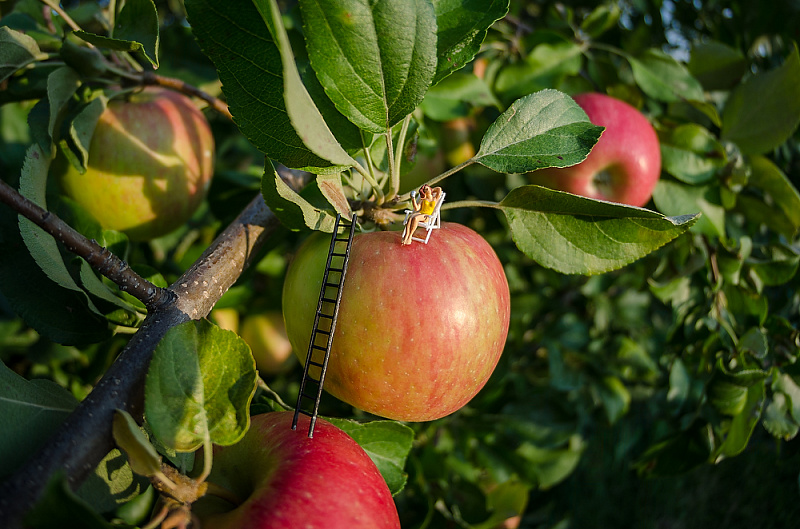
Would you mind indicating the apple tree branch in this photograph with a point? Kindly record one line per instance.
(85, 437)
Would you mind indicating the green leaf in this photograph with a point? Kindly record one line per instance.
(61, 86)
(60, 507)
(128, 436)
(59, 314)
(507, 500)
(376, 60)
(136, 31)
(387, 443)
(692, 154)
(764, 111)
(600, 20)
(674, 198)
(662, 77)
(294, 211)
(678, 453)
(548, 466)
(742, 426)
(544, 67)
(716, 65)
(249, 64)
(16, 51)
(778, 420)
(31, 412)
(455, 96)
(577, 235)
(614, 396)
(544, 129)
(461, 27)
(112, 483)
(768, 177)
(80, 132)
(303, 113)
(199, 386)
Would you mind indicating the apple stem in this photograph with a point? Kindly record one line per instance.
(208, 459)
(158, 518)
(150, 78)
(98, 257)
(470, 204)
(398, 157)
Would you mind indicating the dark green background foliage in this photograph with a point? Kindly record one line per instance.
(660, 394)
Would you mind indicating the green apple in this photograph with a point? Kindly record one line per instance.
(420, 327)
(285, 480)
(266, 335)
(151, 159)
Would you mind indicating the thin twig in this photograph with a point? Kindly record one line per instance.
(149, 78)
(98, 257)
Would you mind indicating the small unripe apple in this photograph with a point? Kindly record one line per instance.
(285, 480)
(266, 335)
(624, 165)
(150, 162)
(420, 328)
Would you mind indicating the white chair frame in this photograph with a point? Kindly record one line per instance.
(433, 223)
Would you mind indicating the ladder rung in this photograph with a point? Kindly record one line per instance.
(311, 397)
(339, 239)
(332, 269)
(329, 284)
(313, 363)
(328, 300)
(322, 315)
(304, 412)
(323, 331)
(315, 346)
(338, 254)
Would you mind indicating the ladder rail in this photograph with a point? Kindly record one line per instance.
(328, 333)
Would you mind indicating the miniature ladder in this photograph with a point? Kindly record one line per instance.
(319, 347)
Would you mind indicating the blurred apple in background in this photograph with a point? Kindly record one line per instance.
(623, 167)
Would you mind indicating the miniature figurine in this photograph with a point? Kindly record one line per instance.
(425, 213)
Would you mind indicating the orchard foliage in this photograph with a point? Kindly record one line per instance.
(673, 328)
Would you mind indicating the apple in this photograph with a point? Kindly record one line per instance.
(266, 335)
(624, 165)
(420, 328)
(286, 480)
(151, 158)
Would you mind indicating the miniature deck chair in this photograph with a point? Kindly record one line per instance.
(433, 223)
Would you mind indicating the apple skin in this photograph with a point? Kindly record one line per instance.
(420, 327)
(624, 165)
(266, 335)
(287, 480)
(150, 163)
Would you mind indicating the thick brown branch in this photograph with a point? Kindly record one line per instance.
(85, 437)
(98, 257)
(184, 87)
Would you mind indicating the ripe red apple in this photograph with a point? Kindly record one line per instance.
(286, 480)
(151, 159)
(624, 165)
(265, 333)
(420, 328)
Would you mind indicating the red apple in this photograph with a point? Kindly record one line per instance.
(420, 328)
(624, 165)
(265, 333)
(286, 480)
(150, 162)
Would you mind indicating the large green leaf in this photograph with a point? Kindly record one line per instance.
(716, 65)
(764, 111)
(386, 442)
(16, 50)
(136, 30)
(60, 507)
(249, 64)
(577, 235)
(662, 77)
(767, 177)
(376, 59)
(292, 209)
(461, 27)
(31, 410)
(199, 386)
(303, 113)
(544, 129)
